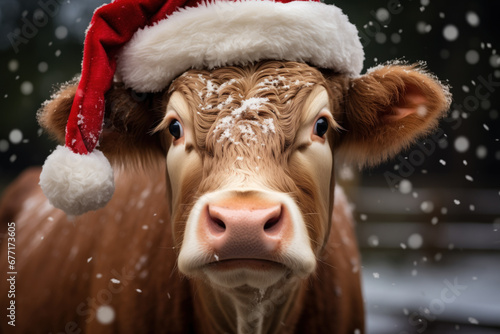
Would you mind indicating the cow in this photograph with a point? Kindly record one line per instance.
(226, 216)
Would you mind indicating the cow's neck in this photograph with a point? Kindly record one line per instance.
(248, 310)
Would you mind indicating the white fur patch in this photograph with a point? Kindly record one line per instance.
(77, 183)
(238, 33)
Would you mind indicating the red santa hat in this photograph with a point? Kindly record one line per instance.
(147, 43)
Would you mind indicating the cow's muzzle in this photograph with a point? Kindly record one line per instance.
(246, 237)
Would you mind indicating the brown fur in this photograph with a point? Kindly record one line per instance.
(373, 137)
(134, 235)
(57, 285)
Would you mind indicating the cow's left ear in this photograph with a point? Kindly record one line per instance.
(387, 109)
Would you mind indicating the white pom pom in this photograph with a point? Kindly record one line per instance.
(77, 183)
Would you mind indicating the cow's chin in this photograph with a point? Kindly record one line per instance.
(241, 273)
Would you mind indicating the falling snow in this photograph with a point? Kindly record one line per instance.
(481, 152)
(43, 67)
(415, 241)
(427, 206)
(373, 241)
(61, 32)
(4, 145)
(422, 111)
(472, 19)
(461, 144)
(15, 136)
(450, 32)
(472, 57)
(495, 60)
(13, 65)
(26, 88)
(105, 314)
(423, 27)
(382, 14)
(405, 186)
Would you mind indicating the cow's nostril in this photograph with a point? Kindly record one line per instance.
(219, 223)
(215, 221)
(271, 223)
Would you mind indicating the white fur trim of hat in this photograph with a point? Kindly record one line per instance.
(237, 33)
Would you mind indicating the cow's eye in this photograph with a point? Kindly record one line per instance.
(321, 127)
(175, 129)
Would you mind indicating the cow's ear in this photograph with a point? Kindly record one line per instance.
(54, 113)
(387, 109)
(127, 137)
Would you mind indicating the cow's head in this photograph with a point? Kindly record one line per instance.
(250, 154)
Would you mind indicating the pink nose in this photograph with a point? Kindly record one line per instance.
(244, 232)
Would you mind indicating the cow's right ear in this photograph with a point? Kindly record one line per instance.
(127, 137)
(388, 109)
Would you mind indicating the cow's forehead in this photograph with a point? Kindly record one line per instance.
(245, 105)
(243, 89)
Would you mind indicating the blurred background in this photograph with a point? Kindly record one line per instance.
(428, 221)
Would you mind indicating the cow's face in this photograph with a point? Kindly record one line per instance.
(250, 159)
(250, 168)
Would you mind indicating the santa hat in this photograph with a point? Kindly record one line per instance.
(147, 43)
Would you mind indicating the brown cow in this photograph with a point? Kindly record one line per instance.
(242, 230)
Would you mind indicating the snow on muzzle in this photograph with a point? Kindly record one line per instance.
(246, 237)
